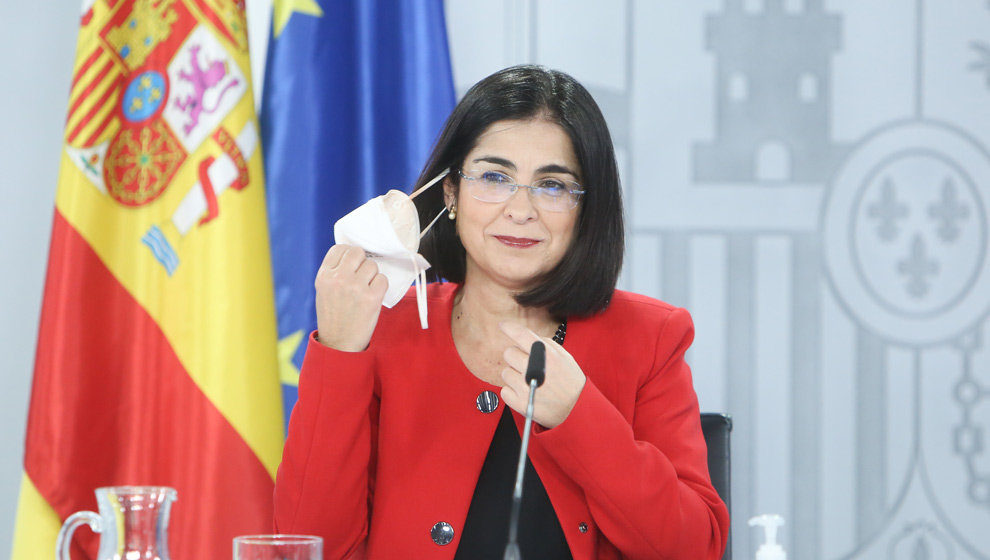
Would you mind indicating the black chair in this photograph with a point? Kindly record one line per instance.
(716, 428)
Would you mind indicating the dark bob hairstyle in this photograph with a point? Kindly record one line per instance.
(583, 282)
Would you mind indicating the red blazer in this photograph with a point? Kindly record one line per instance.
(386, 443)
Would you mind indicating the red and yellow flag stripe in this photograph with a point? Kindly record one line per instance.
(156, 359)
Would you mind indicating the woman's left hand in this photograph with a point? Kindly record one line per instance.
(559, 392)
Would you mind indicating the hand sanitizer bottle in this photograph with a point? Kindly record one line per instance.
(769, 550)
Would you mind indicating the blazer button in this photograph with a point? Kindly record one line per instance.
(583, 527)
(487, 402)
(442, 533)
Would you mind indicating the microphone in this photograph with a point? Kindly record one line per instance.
(536, 374)
(536, 369)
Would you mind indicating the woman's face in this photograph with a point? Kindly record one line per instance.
(513, 242)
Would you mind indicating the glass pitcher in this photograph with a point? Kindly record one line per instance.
(132, 523)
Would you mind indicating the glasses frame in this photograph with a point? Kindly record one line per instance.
(575, 194)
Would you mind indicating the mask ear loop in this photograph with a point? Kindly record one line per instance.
(420, 294)
(421, 276)
(432, 222)
(420, 280)
(432, 182)
(420, 190)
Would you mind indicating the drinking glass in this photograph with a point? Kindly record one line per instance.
(278, 547)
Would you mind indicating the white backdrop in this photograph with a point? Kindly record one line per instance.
(36, 54)
(809, 178)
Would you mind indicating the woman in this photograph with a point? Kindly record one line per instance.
(404, 441)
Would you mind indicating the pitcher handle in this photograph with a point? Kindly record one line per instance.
(64, 541)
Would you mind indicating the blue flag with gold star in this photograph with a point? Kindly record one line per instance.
(355, 94)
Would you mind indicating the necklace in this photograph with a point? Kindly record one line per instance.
(558, 336)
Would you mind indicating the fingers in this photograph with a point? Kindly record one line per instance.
(520, 335)
(517, 355)
(514, 380)
(367, 270)
(351, 258)
(515, 392)
(379, 285)
(516, 358)
(333, 256)
(349, 294)
(564, 379)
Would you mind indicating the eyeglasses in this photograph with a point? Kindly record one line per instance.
(549, 193)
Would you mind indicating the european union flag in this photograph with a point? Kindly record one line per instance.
(355, 94)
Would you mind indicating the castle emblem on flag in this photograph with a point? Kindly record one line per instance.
(147, 24)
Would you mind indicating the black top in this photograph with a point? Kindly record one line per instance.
(486, 529)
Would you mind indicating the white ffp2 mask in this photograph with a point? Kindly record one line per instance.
(387, 228)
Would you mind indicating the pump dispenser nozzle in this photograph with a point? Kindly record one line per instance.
(769, 550)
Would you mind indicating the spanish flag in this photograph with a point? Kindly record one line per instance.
(157, 354)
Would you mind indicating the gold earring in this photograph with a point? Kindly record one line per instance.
(452, 213)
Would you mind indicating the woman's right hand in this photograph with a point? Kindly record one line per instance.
(349, 294)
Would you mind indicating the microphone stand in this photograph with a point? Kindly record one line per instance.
(535, 375)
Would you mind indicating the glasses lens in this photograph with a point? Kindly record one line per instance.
(489, 186)
(550, 194)
(555, 195)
